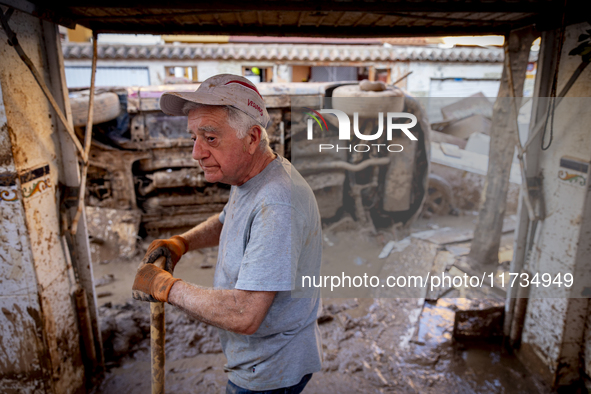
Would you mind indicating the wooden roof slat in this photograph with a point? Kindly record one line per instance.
(359, 20)
(374, 23)
(322, 18)
(334, 18)
(301, 18)
(218, 20)
(77, 6)
(239, 19)
(338, 22)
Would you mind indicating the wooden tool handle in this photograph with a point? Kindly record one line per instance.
(157, 336)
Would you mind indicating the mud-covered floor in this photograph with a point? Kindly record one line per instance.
(373, 345)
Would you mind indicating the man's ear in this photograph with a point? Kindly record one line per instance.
(254, 139)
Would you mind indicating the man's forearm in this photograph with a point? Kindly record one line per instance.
(204, 235)
(234, 310)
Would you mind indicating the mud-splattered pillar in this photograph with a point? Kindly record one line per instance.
(556, 338)
(39, 325)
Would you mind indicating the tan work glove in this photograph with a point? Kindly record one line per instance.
(152, 284)
(172, 248)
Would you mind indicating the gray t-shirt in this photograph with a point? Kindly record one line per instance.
(271, 236)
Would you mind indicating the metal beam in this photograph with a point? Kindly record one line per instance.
(51, 14)
(70, 176)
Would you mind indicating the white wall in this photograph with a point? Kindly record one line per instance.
(210, 68)
(156, 71)
(554, 326)
(419, 82)
(79, 77)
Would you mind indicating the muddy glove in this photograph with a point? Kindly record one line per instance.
(172, 248)
(152, 284)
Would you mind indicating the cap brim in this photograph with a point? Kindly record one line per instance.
(172, 103)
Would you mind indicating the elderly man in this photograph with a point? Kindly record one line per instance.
(268, 233)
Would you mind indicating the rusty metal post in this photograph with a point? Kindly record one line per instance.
(89, 354)
(157, 337)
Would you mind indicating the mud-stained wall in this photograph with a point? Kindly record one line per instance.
(21, 331)
(38, 326)
(583, 253)
(554, 327)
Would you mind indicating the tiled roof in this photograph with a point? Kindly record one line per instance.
(279, 52)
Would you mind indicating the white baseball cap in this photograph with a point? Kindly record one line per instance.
(222, 89)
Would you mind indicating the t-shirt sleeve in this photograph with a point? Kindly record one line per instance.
(223, 214)
(273, 249)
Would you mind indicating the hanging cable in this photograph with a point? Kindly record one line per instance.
(552, 103)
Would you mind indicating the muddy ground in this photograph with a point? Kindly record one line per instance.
(370, 345)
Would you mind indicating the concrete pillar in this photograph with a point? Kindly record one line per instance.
(24, 363)
(39, 325)
(554, 335)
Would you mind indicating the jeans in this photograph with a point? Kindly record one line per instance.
(231, 388)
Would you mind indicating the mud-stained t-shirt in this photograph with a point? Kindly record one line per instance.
(271, 235)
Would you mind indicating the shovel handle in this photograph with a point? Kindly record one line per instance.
(157, 336)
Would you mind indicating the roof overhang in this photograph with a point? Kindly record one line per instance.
(308, 18)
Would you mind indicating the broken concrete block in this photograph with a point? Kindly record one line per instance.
(451, 150)
(112, 232)
(104, 280)
(437, 136)
(478, 143)
(479, 324)
(475, 104)
(466, 127)
(397, 246)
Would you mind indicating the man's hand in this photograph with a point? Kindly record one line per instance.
(172, 248)
(152, 284)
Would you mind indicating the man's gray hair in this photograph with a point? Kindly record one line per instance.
(237, 120)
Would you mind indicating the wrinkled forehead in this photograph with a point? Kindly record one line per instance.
(207, 119)
(216, 111)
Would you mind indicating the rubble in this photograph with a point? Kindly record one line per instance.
(112, 232)
(104, 280)
(448, 235)
(476, 104)
(125, 329)
(479, 324)
(103, 294)
(464, 128)
(397, 246)
(370, 345)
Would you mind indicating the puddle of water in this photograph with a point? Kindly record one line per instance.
(476, 368)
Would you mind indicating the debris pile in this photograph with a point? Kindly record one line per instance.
(125, 329)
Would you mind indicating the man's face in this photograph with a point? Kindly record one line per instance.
(223, 157)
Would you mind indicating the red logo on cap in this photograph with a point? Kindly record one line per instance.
(245, 85)
(255, 106)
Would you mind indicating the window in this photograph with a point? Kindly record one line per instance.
(258, 74)
(333, 74)
(181, 74)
